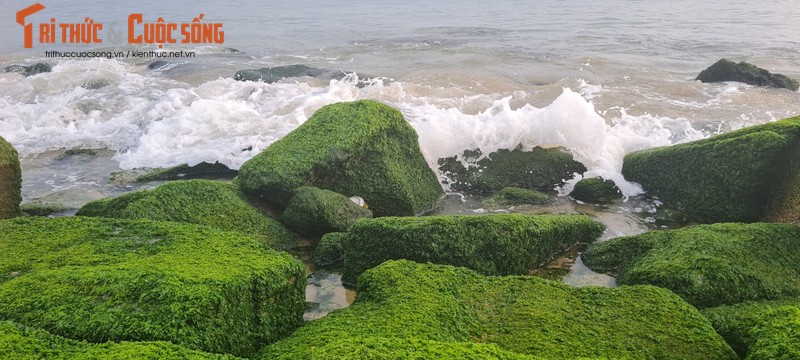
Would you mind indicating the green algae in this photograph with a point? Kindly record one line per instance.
(315, 212)
(204, 202)
(10, 180)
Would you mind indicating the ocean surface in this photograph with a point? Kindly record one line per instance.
(600, 78)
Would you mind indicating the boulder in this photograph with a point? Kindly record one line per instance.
(777, 336)
(361, 148)
(202, 170)
(736, 322)
(502, 244)
(708, 265)
(329, 251)
(10, 181)
(726, 70)
(104, 280)
(725, 178)
(272, 74)
(315, 212)
(204, 202)
(538, 169)
(595, 191)
(22, 342)
(513, 195)
(436, 311)
(29, 70)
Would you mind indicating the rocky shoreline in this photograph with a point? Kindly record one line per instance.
(196, 268)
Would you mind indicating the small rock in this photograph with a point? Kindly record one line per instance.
(29, 70)
(726, 70)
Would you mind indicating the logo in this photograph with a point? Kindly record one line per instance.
(139, 31)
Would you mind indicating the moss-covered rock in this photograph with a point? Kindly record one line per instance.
(329, 250)
(777, 336)
(736, 322)
(726, 70)
(29, 70)
(503, 244)
(40, 209)
(596, 191)
(539, 169)
(22, 343)
(315, 212)
(104, 280)
(202, 170)
(522, 196)
(783, 204)
(10, 180)
(409, 308)
(361, 148)
(723, 178)
(708, 265)
(204, 202)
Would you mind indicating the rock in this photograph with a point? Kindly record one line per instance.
(329, 251)
(539, 169)
(272, 74)
(362, 148)
(708, 265)
(159, 64)
(202, 170)
(736, 322)
(783, 201)
(29, 70)
(777, 336)
(10, 180)
(102, 280)
(22, 342)
(725, 178)
(215, 204)
(410, 310)
(315, 212)
(42, 209)
(512, 195)
(726, 70)
(666, 215)
(596, 191)
(502, 244)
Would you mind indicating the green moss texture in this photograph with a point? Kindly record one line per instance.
(503, 244)
(708, 265)
(10, 181)
(202, 170)
(203, 202)
(596, 191)
(515, 195)
(538, 169)
(361, 148)
(724, 178)
(102, 280)
(19, 342)
(426, 310)
(777, 336)
(315, 212)
(329, 250)
(735, 323)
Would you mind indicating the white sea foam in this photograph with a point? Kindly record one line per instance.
(152, 121)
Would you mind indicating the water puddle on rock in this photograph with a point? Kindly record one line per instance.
(325, 291)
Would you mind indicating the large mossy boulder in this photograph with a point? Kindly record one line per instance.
(708, 265)
(22, 342)
(104, 280)
(538, 169)
(315, 212)
(503, 244)
(361, 148)
(736, 323)
(10, 180)
(596, 191)
(777, 336)
(434, 311)
(204, 202)
(726, 70)
(725, 178)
